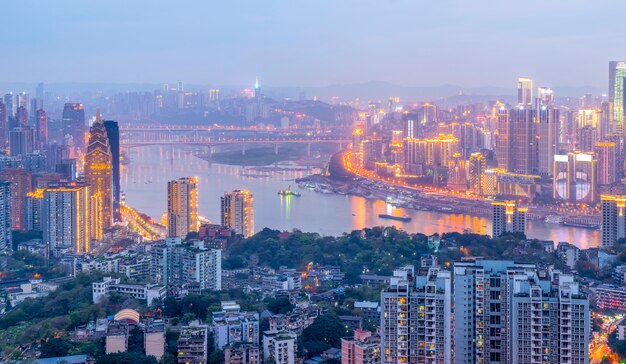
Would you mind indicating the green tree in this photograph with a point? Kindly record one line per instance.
(55, 347)
(129, 357)
(325, 332)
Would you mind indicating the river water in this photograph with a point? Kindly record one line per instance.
(144, 181)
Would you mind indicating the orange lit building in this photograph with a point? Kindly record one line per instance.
(182, 207)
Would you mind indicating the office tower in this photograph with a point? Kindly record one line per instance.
(427, 114)
(508, 217)
(175, 262)
(113, 134)
(238, 212)
(433, 152)
(503, 140)
(182, 207)
(154, 339)
(545, 97)
(34, 206)
(22, 116)
(575, 177)
(476, 169)
(192, 344)
(35, 162)
(357, 138)
(605, 125)
(586, 138)
(516, 313)
(67, 169)
(39, 94)
(279, 347)
(607, 163)
(547, 144)
(98, 174)
(457, 173)
(21, 183)
(235, 327)
(6, 219)
(367, 153)
(65, 217)
(613, 219)
(363, 348)
(22, 100)
(9, 102)
(617, 73)
(4, 126)
(522, 141)
(524, 91)
(21, 141)
(74, 124)
(411, 126)
(416, 317)
(214, 94)
(42, 129)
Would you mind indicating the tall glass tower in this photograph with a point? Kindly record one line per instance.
(617, 73)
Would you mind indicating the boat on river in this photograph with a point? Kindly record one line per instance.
(404, 218)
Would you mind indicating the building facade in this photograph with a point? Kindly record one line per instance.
(237, 211)
(182, 207)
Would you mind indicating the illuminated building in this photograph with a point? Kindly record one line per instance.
(586, 138)
(613, 219)
(65, 217)
(617, 73)
(182, 207)
(73, 124)
(214, 94)
(21, 183)
(4, 125)
(503, 140)
(508, 217)
(545, 97)
(548, 139)
(476, 169)
(6, 219)
(524, 91)
(192, 344)
(21, 141)
(457, 173)
(434, 152)
(237, 209)
(98, 174)
(607, 163)
(357, 137)
(506, 312)
(575, 177)
(411, 126)
(113, 134)
(34, 208)
(416, 317)
(522, 141)
(42, 129)
(427, 114)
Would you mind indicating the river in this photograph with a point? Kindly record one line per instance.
(144, 181)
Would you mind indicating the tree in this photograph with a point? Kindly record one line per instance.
(167, 358)
(54, 347)
(216, 357)
(325, 332)
(280, 305)
(129, 357)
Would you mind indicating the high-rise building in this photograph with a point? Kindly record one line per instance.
(113, 134)
(238, 212)
(6, 219)
(545, 97)
(42, 129)
(607, 163)
(21, 183)
(613, 219)
(363, 348)
(279, 347)
(523, 144)
(617, 73)
(508, 217)
(74, 124)
(9, 102)
(416, 317)
(21, 141)
(182, 207)
(98, 174)
(586, 138)
(428, 153)
(235, 327)
(40, 95)
(476, 169)
(503, 141)
(548, 134)
(457, 173)
(22, 116)
(4, 126)
(192, 344)
(575, 177)
(65, 217)
(524, 91)
(516, 313)
(34, 208)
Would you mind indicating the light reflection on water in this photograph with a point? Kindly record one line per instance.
(144, 182)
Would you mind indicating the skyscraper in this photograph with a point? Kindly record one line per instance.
(98, 174)
(21, 183)
(613, 219)
(524, 91)
(182, 207)
(575, 177)
(9, 102)
(476, 169)
(22, 116)
(40, 95)
(617, 73)
(65, 217)
(21, 141)
(113, 134)
(522, 141)
(508, 217)
(607, 163)
(74, 123)
(42, 129)
(4, 126)
(238, 212)
(503, 141)
(5, 217)
(518, 313)
(548, 139)
(416, 317)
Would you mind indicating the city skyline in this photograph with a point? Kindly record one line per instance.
(316, 44)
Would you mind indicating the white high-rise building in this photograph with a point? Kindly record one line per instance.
(65, 217)
(182, 207)
(416, 317)
(5, 216)
(508, 217)
(524, 91)
(279, 347)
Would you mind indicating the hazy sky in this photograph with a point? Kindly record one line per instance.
(312, 43)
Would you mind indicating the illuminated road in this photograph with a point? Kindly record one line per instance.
(598, 347)
(138, 223)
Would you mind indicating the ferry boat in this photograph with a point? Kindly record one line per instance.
(554, 219)
(289, 192)
(404, 218)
